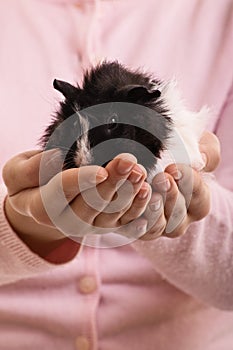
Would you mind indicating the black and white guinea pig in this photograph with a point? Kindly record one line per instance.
(100, 111)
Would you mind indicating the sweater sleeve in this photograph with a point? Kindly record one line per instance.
(17, 261)
(200, 262)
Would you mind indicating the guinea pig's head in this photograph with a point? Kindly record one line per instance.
(116, 110)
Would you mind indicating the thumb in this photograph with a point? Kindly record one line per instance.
(209, 146)
(30, 169)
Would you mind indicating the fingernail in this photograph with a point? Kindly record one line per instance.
(144, 191)
(101, 175)
(135, 177)
(141, 168)
(124, 166)
(155, 205)
(177, 175)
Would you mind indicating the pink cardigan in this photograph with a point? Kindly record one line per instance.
(164, 294)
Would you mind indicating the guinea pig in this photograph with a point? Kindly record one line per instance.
(124, 110)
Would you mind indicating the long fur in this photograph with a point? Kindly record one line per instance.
(113, 82)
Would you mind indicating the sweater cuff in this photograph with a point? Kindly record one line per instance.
(17, 260)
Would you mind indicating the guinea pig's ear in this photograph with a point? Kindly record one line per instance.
(140, 93)
(68, 90)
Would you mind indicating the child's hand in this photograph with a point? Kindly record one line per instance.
(180, 196)
(41, 226)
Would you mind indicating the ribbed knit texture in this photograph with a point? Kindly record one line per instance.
(17, 260)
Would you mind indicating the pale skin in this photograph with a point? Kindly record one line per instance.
(166, 208)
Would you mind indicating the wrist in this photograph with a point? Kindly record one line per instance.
(42, 240)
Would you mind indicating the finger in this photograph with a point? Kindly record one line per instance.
(194, 190)
(135, 207)
(119, 170)
(133, 159)
(209, 146)
(123, 196)
(124, 179)
(85, 215)
(23, 171)
(138, 206)
(90, 202)
(174, 203)
(156, 221)
(51, 199)
(12, 176)
(151, 224)
(158, 225)
(97, 211)
(127, 156)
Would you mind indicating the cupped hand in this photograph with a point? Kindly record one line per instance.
(180, 196)
(41, 199)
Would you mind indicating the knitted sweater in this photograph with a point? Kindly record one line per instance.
(161, 294)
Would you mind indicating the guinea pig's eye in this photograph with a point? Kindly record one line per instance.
(112, 122)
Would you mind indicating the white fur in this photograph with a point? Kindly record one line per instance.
(83, 156)
(188, 127)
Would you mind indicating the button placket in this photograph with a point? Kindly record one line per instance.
(82, 343)
(88, 289)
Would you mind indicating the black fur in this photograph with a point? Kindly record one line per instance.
(112, 82)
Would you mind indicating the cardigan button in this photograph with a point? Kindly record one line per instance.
(82, 343)
(87, 284)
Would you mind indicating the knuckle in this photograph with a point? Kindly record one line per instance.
(179, 230)
(175, 234)
(161, 224)
(171, 168)
(156, 230)
(104, 221)
(125, 220)
(29, 172)
(92, 202)
(151, 235)
(123, 215)
(202, 212)
(8, 174)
